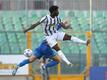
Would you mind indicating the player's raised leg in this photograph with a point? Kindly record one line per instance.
(53, 44)
(61, 54)
(75, 39)
(24, 62)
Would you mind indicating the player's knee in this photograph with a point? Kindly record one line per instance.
(57, 58)
(32, 59)
(67, 37)
(56, 47)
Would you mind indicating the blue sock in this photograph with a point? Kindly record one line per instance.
(24, 62)
(51, 64)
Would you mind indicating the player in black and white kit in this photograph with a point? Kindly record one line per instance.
(52, 34)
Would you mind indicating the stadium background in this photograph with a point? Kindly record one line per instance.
(16, 15)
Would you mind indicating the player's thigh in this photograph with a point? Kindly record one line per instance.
(60, 35)
(32, 58)
(51, 40)
(57, 58)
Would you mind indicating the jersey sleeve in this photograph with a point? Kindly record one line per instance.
(43, 19)
(59, 26)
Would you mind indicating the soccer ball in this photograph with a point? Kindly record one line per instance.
(28, 52)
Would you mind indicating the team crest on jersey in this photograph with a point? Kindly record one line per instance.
(52, 25)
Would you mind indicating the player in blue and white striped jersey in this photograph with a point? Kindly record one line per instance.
(52, 34)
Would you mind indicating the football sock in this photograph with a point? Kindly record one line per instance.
(24, 62)
(60, 53)
(77, 40)
(51, 64)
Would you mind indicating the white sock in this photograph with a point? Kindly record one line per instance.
(77, 40)
(60, 53)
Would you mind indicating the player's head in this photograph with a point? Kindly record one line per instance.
(54, 10)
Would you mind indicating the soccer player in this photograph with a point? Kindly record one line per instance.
(52, 34)
(44, 50)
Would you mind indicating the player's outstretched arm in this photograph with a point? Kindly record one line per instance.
(32, 26)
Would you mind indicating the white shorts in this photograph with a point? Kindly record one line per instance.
(52, 40)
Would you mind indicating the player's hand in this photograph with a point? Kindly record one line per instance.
(67, 25)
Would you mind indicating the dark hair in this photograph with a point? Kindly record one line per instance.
(53, 8)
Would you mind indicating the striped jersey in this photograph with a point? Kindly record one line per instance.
(50, 24)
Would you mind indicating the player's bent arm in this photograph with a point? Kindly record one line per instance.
(66, 25)
(32, 26)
